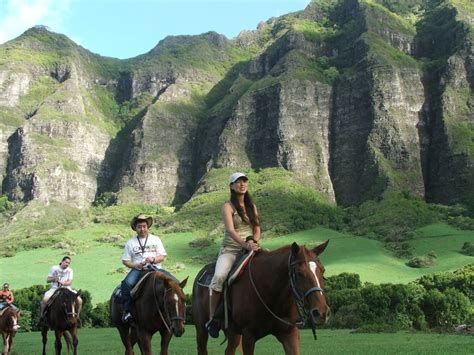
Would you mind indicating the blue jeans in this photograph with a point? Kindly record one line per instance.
(127, 284)
(5, 305)
(131, 280)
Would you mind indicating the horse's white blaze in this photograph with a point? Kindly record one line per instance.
(313, 266)
(15, 324)
(176, 298)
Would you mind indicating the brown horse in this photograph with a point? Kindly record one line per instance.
(275, 287)
(8, 327)
(62, 317)
(160, 306)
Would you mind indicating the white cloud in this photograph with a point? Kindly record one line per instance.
(16, 16)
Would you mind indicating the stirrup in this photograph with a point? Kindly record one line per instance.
(127, 317)
(212, 328)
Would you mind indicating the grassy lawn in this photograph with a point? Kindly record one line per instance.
(107, 341)
(97, 266)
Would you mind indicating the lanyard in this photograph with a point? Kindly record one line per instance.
(142, 247)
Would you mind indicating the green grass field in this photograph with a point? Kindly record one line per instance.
(107, 342)
(98, 269)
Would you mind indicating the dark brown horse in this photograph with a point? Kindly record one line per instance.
(8, 327)
(62, 317)
(266, 299)
(160, 306)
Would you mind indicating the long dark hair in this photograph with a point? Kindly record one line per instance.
(249, 207)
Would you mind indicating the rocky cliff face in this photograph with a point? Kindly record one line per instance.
(54, 155)
(353, 97)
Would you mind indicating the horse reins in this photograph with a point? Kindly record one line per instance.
(300, 300)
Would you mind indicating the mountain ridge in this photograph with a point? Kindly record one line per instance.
(354, 97)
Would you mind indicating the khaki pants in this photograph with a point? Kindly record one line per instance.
(224, 263)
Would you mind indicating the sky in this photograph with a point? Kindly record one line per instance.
(127, 28)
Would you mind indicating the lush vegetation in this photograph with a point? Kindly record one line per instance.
(436, 300)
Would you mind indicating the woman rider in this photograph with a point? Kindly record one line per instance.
(242, 230)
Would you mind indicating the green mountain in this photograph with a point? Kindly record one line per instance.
(339, 113)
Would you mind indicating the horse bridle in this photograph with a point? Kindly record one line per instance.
(300, 300)
(165, 307)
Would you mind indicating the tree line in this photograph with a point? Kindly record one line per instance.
(434, 301)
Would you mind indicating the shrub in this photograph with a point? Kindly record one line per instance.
(468, 249)
(461, 280)
(25, 321)
(445, 309)
(100, 316)
(423, 261)
(200, 243)
(343, 281)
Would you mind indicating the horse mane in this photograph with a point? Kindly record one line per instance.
(168, 280)
(283, 250)
(66, 294)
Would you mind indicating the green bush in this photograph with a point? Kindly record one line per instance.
(100, 316)
(343, 281)
(468, 249)
(423, 261)
(5, 204)
(461, 280)
(28, 300)
(445, 309)
(25, 321)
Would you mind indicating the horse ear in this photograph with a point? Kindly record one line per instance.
(320, 248)
(183, 283)
(295, 248)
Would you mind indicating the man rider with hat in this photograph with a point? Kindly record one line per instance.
(142, 252)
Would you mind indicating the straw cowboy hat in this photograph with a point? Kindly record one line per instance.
(141, 217)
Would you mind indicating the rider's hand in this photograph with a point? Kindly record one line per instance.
(251, 245)
(138, 265)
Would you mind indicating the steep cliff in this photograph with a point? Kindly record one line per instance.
(352, 98)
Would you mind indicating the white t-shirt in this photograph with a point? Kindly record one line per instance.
(138, 250)
(63, 274)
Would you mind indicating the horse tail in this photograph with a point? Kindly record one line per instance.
(68, 339)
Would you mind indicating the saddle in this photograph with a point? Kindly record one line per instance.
(4, 309)
(237, 269)
(224, 307)
(136, 290)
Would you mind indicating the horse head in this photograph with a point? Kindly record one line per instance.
(175, 305)
(307, 282)
(67, 300)
(11, 316)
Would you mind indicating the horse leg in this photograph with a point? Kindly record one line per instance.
(248, 343)
(10, 342)
(165, 341)
(202, 337)
(75, 340)
(144, 342)
(290, 341)
(57, 343)
(44, 334)
(124, 332)
(6, 340)
(233, 341)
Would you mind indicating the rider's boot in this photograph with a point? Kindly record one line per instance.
(212, 325)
